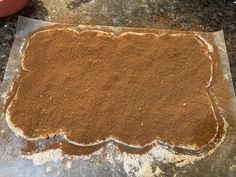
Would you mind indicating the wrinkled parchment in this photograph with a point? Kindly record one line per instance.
(108, 161)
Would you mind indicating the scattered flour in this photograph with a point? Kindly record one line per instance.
(158, 171)
(139, 165)
(68, 164)
(2, 131)
(53, 155)
(146, 171)
(49, 169)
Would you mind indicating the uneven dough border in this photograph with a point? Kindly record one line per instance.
(197, 37)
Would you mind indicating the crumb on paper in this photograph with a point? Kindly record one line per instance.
(49, 169)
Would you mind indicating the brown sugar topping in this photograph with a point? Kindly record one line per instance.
(67, 148)
(135, 88)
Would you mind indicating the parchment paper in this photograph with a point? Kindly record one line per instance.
(107, 162)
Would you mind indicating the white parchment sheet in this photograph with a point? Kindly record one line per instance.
(107, 161)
